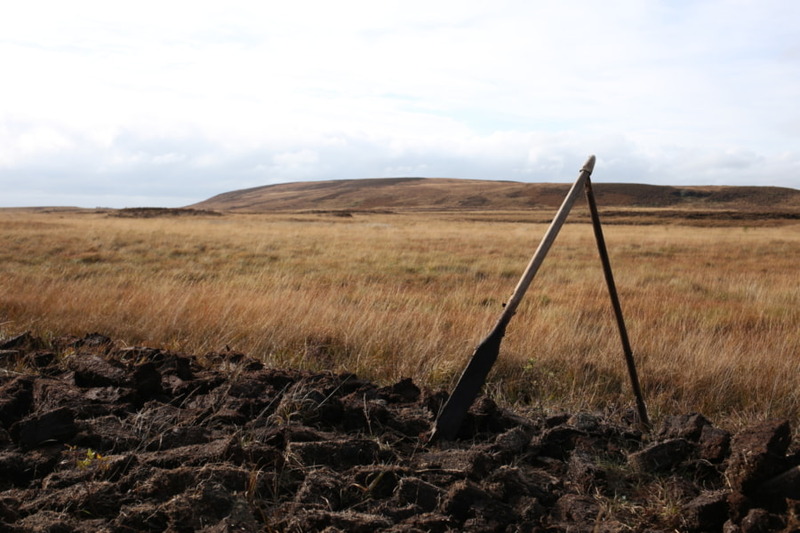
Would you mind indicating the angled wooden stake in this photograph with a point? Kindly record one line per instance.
(474, 375)
(612, 292)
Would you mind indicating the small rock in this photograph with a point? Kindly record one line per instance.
(688, 427)
(192, 455)
(94, 340)
(9, 510)
(350, 521)
(321, 486)
(40, 360)
(715, 444)
(380, 481)
(338, 454)
(761, 521)
(9, 355)
(240, 520)
(576, 508)
(483, 413)
(558, 442)
(531, 510)
(120, 397)
(401, 392)
(177, 437)
(475, 462)
(139, 353)
(16, 399)
(738, 506)
(461, 498)
(585, 422)
(556, 420)
(510, 483)
(409, 421)
(428, 522)
(57, 425)
(758, 454)
(46, 520)
(434, 401)
(661, 456)
(147, 380)
(706, 512)
(412, 490)
(584, 473)
(793, 515)
(730, 527)
(23, 341)
(782, 486)
(14, 470)
(177, 365)
(141, 517)
(511, 443)
(94, 371)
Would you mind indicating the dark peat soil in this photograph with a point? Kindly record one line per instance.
(95, 437)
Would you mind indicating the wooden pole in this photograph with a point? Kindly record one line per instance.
(474, 375)
(612, 292)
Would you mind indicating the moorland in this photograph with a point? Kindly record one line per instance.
(236, 366)
(402, 278)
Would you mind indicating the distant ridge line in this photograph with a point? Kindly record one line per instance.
(417, 193)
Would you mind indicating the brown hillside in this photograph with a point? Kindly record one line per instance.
(484, 195)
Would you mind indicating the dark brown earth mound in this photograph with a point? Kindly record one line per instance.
(154, 212)
(94, 437)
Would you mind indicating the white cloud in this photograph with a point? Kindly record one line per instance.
(184, 98)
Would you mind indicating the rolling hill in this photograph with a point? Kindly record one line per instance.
(484, 195)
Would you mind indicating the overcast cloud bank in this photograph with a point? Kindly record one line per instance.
(169, 103)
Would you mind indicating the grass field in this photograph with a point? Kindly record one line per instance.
(712, 312)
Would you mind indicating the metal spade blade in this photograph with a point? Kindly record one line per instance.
(474, 375)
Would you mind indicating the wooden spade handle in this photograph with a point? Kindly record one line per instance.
(474, 375)
(547, 240)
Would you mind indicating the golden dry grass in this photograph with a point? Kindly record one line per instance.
(713, 313)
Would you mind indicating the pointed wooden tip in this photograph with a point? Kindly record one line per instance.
(589, 165)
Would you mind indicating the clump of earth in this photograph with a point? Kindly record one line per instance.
(98, 437)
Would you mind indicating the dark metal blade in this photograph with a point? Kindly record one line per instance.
(474, 375)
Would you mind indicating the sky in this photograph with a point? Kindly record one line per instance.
(167, 103)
